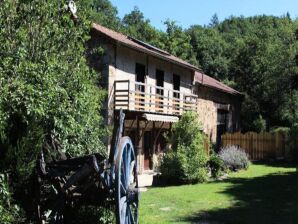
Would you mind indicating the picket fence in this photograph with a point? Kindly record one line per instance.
(258, 146)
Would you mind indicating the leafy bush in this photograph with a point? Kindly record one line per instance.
(260, 124)
(186, 162)
(216, 165)
(279, 129)
(48, 91)
(50, 96)
(9, 213)
(91, 214)
(234, 158)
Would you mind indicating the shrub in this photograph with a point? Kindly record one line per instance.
(279, 129)
(260, 124)
(50, 96)
(216, 165)
(9, 213)
(186, 162)
(234, 158)
(91, 214)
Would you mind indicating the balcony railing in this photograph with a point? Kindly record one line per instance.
(137, 96)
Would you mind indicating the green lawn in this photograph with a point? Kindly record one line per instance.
(262, 194)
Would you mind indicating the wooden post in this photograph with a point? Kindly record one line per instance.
(128, 92)
(114, 96)
(139, 147)
(169, 111)
(154, 133)
(153, 145)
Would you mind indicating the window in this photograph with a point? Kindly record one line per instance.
(159, 81)
(140, 86)
(176, 82)
(140, 73)
(160, 77)
(159, 99)
(176, 85)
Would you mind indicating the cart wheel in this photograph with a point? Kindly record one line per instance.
(126, 188)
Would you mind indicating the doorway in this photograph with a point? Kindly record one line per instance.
(222, 121)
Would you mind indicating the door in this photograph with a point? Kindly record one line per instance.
(222, 121)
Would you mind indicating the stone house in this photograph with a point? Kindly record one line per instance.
(154, 88)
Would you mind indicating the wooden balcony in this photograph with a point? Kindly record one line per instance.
(136, 96)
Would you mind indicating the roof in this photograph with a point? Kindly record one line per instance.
(141, 46)
(135, 44)
(208, 81)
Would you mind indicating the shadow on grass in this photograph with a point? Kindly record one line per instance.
(279, 164)
(271, 199)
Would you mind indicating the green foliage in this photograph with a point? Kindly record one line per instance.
(90, 214)
(177, 42)
(9, 212)
(187, 132)
(47, 88)
(259, 124)
(259, 55)
(234, 158)
(250, 112)
(105, 14)
(216, 165)
(289, 111)
(135, 25)
(284, 130)
(186, 161)
(210, 51)
(49, 95)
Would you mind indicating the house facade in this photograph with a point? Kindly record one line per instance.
(154, 88)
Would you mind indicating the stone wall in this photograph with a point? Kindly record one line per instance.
(209, 102)
(208, 117)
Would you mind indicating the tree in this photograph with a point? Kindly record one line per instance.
(135, 25)
(105, 14)
(177, 42)
(210, 51)
(214, 21)
(258, 56)
(49, 96)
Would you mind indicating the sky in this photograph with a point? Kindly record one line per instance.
(190, 12)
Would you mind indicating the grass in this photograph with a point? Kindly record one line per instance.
(265, 193)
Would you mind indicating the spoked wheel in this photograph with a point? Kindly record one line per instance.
(126, 188)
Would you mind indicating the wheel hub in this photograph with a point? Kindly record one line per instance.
(132, 195)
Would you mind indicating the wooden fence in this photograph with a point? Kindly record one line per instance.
(257, 146)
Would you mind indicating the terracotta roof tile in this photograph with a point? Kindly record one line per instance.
(208, 81)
